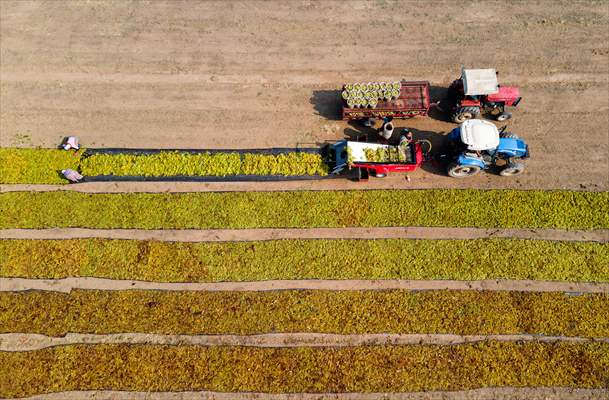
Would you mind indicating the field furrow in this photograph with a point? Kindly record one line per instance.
(257, 234)
(373, 208)
(34, 341)
(503, 393)
(345, 369)
(66, 285)
(317, 311)
(389, 183)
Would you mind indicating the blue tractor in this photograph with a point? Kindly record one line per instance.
(476, 145)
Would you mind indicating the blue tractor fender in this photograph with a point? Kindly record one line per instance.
(455, 135)
(510, 147)
(464, 159)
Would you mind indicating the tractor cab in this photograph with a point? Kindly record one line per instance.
(478, 144)
(478, 135)
(478, 90)
(479, 82)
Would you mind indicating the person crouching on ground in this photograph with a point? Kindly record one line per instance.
(72, 176)
(71, 143)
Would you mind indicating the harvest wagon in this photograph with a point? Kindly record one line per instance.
(380, 159)
(413, 100)
(475, 92)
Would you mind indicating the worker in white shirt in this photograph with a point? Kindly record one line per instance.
(71, 175)
(71, 143)
(386, 130)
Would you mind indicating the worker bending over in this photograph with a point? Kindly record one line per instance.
(71, 175)
(71, 143)
(405, 141)
(386, 130)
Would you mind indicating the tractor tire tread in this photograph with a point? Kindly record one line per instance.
(452, 166)
(515, 168)
(473, 111)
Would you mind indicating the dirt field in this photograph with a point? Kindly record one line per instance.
(263, 74)
(253, 74)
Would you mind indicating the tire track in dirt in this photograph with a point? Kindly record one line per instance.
(31, 341)
(66, 285)
(225, 235)
(511, 393)
(313, 78)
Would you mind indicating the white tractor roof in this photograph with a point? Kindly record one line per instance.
(479, 81)
(479, 135)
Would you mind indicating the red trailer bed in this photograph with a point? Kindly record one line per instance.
(413, 101)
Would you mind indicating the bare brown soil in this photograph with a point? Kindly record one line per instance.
(173, 74)
(507, 393)
(88, 283)
(169, 74)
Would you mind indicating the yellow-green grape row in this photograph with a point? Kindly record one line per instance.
(558, 209)
(367, 259)
(170, 163)
(369, 94)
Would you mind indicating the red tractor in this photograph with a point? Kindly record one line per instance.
(477, 91)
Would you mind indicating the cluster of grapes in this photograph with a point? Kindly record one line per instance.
(369, 94)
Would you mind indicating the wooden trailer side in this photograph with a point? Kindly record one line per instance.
(414, 100)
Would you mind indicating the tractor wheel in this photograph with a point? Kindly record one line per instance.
(504, 116)
(464, 113)
(508, 135)
(512, 169)
(461, 171)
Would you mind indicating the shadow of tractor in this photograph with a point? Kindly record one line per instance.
(327, 104)
(439, 141)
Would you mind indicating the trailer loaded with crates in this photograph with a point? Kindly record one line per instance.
(405, 99)
(474, 93)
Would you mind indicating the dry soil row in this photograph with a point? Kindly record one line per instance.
(504, 393)
(32, 341)
(87, 283)
(225, 235)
